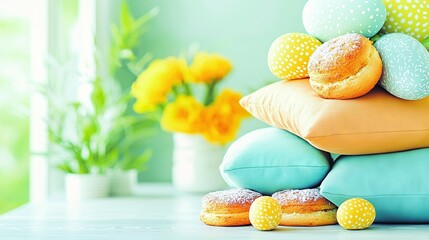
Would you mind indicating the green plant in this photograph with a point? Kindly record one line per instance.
(125, 39)
(95, 136)
(104, 135)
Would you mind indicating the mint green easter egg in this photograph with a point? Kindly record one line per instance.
(405, 66)
(327, 19)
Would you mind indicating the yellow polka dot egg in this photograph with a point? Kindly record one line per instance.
(356, 214)
(407, 16)
(265, 213)
(289, 54)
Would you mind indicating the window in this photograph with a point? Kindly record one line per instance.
(28, 38)
(14, 104)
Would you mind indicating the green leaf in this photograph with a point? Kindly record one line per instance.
(426, 43)
(65, 168)
(75, 105)
(145, 18)
(83, 168)
(139, 162)
(187, 88)
(114, 57)
(139, 66)
(126, 19)
(116, 36)
(210, 93)
(98, 96)
(89, 130)
(375, 38)
(132, 41)
(113, 156)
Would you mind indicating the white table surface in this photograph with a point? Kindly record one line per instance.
(159, 212)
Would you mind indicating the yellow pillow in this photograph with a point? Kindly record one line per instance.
(375, 123)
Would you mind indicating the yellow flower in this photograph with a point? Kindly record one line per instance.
(184, 115)
(174, 69)
(220, 127)
(155, 83)
(207, 68)
(150, 88)
(143, 107)
(223, 117)
(229, 101)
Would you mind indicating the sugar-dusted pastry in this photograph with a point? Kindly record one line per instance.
(228, 208)
(345, 67)
(305, 207)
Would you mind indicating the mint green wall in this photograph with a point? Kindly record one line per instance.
(242, 30)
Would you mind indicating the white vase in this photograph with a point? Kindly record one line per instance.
(196, 164)
(123, 183)
(86, 186)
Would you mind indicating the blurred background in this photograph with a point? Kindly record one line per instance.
(40, 39)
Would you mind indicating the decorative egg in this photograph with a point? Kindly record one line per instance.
(405, 66)
(289, 54)
(327, 19)
(265, 213)
(407, 16)
(356, 214)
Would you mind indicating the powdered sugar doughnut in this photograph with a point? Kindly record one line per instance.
(345, 67)
(305, 207)
(228, 208)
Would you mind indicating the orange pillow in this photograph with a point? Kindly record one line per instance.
(375, 123)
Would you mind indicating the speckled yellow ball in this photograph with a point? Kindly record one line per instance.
(289, 54)
(356, 214)
(407, 16)
(265, 213)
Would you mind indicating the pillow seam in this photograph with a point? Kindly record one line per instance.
(339, 134)
(241, 168)
(376, 196)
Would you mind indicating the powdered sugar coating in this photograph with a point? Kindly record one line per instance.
(328, 56)
(232, 196)
(302, 196)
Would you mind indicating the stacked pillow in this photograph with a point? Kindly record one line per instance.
(380, 136)
(375, 123)
(270, 160)
(397, 184)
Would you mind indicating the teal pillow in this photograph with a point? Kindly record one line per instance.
(397, 184)
(269, 160)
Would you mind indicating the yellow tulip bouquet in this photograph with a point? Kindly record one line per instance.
(168, 86)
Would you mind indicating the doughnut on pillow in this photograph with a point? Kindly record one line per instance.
(375, 123)
(345, 67)
(269, 160)
(397, 184)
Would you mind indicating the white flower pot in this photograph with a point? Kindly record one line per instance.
(196, 164)
(86, 186)
(123, 183)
